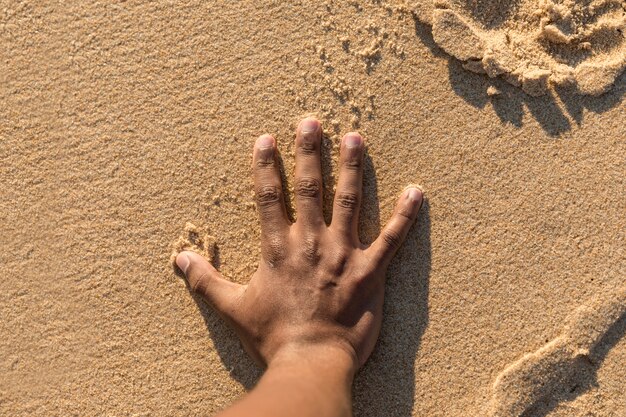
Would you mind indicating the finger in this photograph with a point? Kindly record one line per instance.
(308, 181)
(349, 187)
(206, 281)
(268, 188)
(385, 246)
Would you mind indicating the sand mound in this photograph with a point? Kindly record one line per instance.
(563, 363)
(535, 43)
(195, 239)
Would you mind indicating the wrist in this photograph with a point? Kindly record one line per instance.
(334, 357)
(306, 380)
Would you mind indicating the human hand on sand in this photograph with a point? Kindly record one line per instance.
(317, 295)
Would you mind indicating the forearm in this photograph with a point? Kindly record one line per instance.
(303, 382)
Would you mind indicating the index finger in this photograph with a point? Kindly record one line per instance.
(268, 188)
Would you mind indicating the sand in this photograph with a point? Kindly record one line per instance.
(122, 122)
(536, 44)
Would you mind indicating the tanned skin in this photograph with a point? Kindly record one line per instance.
(312, 311)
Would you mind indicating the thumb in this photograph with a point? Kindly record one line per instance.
(206, 281)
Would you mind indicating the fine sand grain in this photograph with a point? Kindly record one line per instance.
(125, 134)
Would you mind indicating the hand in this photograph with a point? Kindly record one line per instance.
(316, 286)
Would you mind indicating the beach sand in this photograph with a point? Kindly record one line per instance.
(126, 129)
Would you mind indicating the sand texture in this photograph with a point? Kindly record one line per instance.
(565, 363)
(125, 135)
(535, 44)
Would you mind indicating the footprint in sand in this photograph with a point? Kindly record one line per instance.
(560, 364)
(534, 43)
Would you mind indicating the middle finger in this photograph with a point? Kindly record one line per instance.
(308, 175)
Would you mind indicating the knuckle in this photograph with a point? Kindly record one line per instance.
(267, 195)
(405, 213)
(352, 164)
(199, 284)
(347, 200)
(264, 162)
(308, 147)
(392, 238)
(338, 263)
(308, 187)
(310, 250)
(274, 251)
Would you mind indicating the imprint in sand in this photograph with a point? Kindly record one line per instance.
(195, 239)
(560, 364)
(533, 44)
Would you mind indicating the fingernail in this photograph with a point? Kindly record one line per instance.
(264, 142)
(352, 140)
(309, 125)
(182, 261)
(415, 195)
